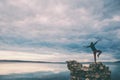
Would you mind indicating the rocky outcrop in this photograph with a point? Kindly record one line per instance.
(95, 71)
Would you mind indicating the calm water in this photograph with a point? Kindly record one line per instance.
(43, 71)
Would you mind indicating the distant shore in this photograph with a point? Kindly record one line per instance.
(23, 61)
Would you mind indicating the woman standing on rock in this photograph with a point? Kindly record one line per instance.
(95, 51)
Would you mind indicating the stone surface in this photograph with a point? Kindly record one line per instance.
(95, 71)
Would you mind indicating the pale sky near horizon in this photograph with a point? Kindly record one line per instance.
(57, 30)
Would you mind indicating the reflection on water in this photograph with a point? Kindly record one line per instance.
(43, 71)
(115, 68)
(10, 68)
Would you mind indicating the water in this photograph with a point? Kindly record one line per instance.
(43, 71)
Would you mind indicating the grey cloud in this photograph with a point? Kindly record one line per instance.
(112, 7)
(65, 25)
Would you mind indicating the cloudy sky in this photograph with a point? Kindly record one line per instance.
(57, 30)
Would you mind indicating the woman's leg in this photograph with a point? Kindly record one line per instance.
(94, 53)
(99, 52)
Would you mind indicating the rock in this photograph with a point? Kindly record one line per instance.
(95, 71)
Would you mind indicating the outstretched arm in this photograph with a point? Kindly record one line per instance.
(96, 42)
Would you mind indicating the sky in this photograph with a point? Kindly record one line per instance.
(57, 30)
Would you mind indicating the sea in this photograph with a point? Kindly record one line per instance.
(44, 71)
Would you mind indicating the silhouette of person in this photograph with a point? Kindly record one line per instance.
(95, 51)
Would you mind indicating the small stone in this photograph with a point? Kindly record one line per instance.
(87, 79)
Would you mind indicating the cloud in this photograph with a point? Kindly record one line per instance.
(59, 25)
(112, 8)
